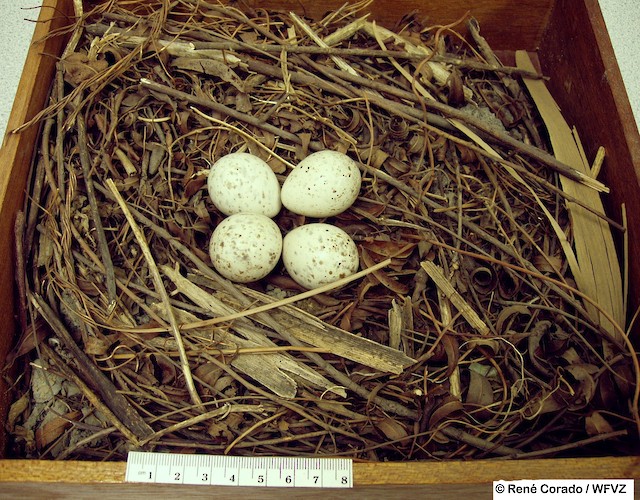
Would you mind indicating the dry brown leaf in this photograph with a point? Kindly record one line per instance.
(583, 374)
(208, 373)
(624, 380)
(449, 407)
(492, 344)
(388, 281)
(397, 249)
(542, 403)
(571, 356)
(548, 263)
(95, 346)
(480, 392)
(223, 383)
(220, 429)
(596, 424)
(283, 425)
(168, 370)
(29, 340)
(533, 344)
(243, 102)
(78, 67)
(193, 185)
(277, 165)
(508, 315)
(452, 349)
(210, 67)
(375, 157)
(53, 429)
(17, 408)
(392, 429)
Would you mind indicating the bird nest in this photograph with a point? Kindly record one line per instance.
(471, 329)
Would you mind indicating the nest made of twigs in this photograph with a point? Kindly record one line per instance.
(463, 337)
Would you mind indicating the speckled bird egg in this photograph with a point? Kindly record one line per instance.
(244, 183)
(324, 184)
(245, 247)
(319, 254)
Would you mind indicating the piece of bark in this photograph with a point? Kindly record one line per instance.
(253, 335)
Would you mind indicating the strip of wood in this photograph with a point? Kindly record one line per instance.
(598, 274)
(443, 284)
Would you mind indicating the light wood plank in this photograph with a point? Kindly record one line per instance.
(365, 474)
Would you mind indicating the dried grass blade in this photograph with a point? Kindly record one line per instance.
(345, 32)
(600, 273)
(203, 417)
(308, 30)
(295, 298)
(436, 274)
(395, 325)
(374, 30)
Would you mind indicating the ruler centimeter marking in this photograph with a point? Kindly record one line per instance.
(221, 470)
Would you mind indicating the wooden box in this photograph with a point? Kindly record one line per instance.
(570, 41)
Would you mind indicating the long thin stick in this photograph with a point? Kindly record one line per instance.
(157, 280)
(103, 246)
(479, 443)
(503, 138)
(261, 48)
(203, 417)
(569, 446)
(20, 272)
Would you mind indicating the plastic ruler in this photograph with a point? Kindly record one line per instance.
(221, 470)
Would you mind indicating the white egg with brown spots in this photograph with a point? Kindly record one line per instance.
(324, 184)
(319, 254)
(244, 183)
(245, 247)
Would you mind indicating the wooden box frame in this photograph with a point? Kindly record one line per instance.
(570, 41)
